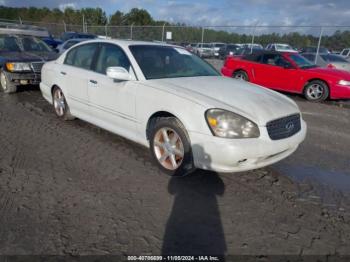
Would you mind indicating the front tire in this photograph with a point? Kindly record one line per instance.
(60, 105)
(6, 85)
(316, 91)
(170, 146)
(241, 75)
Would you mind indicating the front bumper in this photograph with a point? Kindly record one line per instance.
(24, 78)
(340, 92)
(236, 155)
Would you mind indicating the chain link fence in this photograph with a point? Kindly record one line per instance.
(334, 38)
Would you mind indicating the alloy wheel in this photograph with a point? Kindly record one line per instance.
(240, 76)
(59, 102)
(168, 148)
(315, 91)
(3, 81)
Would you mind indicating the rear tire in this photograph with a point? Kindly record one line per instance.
(170, 146)
(60, 105)
(316, 91)
(6, 85)
(241, 75)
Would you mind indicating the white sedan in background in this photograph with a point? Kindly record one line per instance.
(172, 101)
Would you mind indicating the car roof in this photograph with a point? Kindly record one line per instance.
(18, 36)
(127, 43)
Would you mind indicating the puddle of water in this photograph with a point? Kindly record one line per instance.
(339, 181)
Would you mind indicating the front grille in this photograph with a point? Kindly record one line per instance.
(36, 66)
(284, 127)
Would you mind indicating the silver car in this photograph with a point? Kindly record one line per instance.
(215, 48)
(329, 60)
(204, 50)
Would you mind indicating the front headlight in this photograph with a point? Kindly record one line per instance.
(344, 83)
(18, 67)
(230, 125)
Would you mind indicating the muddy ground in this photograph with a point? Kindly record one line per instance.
(69, 188)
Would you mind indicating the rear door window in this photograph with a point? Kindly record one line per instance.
(82, 56)
(111, 55)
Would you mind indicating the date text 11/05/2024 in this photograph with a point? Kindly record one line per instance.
(173, 258)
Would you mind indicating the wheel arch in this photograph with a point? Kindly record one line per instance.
(240, 69)
(160, 113)
(317, 79)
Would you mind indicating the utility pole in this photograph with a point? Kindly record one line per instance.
(132, 25)
(163, 32)
(64, 26)
(253, 37)
(319, 44)
(83, 23)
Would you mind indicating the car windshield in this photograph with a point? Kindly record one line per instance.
(9, 44)
(232, 47)
(284, 47)
(158, 62)
(334, 58)
(204, 45)
(32, 44)
(219, 45)
(301, 61)
(245, 50)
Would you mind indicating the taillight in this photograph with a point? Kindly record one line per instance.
(331, 66)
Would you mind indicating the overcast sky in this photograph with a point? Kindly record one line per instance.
(219, 12)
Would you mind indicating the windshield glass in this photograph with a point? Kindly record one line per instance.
(301, 61)
(284, 47)
(219, 45)
(158, 62)
(9, 44)
(334, 58)
(204, 45)
(32, 44)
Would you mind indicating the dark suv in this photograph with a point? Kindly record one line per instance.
(21, 60)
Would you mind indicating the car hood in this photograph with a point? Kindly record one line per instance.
(28, 56)
(342, 66)
(330, 72)
(257, 103)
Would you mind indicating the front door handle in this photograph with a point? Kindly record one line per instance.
(93, 82)
(63, 73)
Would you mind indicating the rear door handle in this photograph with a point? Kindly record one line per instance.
(63, 73)
(93, 82)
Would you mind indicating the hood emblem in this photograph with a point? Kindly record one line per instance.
(289, 126)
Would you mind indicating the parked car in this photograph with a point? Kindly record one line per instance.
(215, 48)
(52, 42)
(21, 59)
(191, 47)
(345, 53)
(313, 49)
(204, 50)
(144, 91)
(250, 45)
(328, 60)
(289, 72)
(69, 43)
(247, 50)
(229, 49)
(70, 35)
(280, 48)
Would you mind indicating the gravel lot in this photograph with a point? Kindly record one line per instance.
(69, 188)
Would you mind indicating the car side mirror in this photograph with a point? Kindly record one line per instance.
(118, 73)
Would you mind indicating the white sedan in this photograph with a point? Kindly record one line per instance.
(173, 102)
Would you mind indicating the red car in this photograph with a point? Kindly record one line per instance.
(289, 72)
